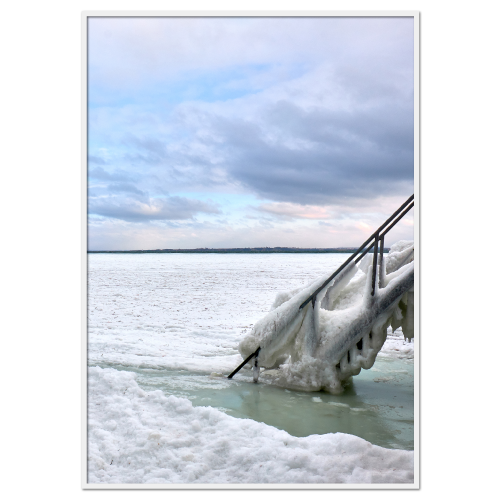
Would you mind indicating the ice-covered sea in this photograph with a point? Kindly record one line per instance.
(163, 331)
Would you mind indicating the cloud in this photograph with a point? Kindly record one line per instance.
(108, 234)
(96, 159)
(131, 51)
(311, 118)
(155, 149)
(295, 211)
(312, 152)
(125, 187)
(134, 210)
(100, 174)
(338, 121)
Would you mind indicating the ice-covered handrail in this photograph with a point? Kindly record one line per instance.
(356, 335)
(321, 347)
(376, 236)
(236, 370)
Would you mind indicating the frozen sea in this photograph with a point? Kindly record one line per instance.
(163, 331)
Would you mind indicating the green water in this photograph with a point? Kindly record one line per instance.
(378, 405)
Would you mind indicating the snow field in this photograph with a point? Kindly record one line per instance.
(146, 437)
(177, 320)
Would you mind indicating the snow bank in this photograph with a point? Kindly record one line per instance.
(325, 343)
(145, 437)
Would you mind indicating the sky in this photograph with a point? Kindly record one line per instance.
(248, 132)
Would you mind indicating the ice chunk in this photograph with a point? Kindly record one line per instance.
(401, 246)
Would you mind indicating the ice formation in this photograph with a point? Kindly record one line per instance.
(322, 345)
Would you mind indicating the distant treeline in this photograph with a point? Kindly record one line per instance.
(240, 250)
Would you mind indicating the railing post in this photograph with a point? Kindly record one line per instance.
(256, 368)
(381, 274)
(374, 266)
(236, 370)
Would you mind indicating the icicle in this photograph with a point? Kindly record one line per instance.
(408, 321)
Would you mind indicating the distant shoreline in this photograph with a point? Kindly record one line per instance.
(240, 250)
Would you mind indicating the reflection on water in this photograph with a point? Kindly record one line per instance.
(377, 405)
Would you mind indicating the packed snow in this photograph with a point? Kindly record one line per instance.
(146, 437)
(173, 322)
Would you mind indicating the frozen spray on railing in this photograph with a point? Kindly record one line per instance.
(323, 334)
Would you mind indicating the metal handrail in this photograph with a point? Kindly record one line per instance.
(239, 367)
(381, 237)
(376, 236)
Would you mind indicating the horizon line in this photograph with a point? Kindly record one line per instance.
(236, 249)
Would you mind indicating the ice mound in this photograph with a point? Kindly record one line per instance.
(322, 345)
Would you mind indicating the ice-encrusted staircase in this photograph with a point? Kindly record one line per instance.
(319, 336)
